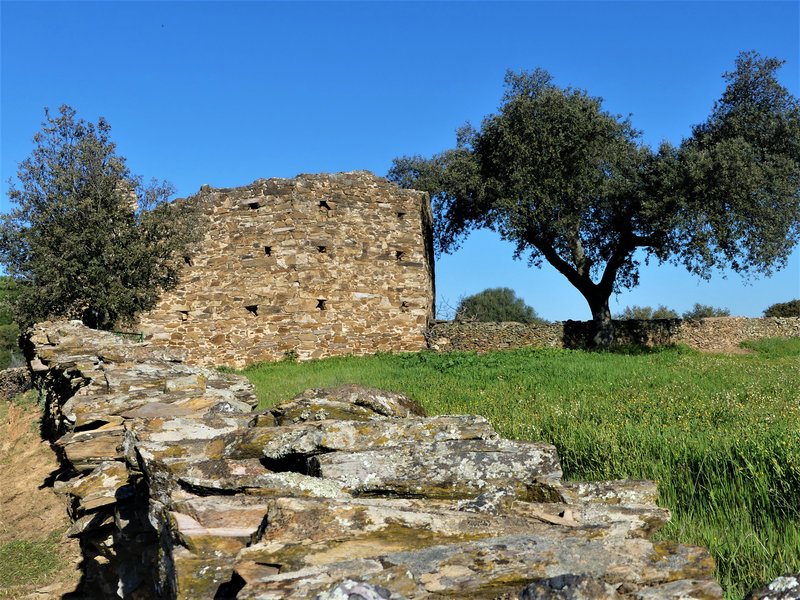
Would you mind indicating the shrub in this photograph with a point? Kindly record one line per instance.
(495, 305)
(784, 309)
(645, 313)
(701, 311)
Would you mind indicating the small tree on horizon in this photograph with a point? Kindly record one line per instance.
(496, 305)
(703, 311)
(784, 309)
(86, 238)
(646, 313)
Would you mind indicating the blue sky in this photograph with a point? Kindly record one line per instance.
(225, 93)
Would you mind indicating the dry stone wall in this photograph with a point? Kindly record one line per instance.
(316, 266)
(714, 334)
(177, 489)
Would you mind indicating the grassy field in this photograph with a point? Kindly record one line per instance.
(721, 434)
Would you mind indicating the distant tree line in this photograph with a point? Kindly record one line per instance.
(500, 304)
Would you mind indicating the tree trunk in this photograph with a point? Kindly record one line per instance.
(602, 326)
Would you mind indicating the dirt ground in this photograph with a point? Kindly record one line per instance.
(29, 511)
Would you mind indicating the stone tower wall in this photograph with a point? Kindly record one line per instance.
(316, 266)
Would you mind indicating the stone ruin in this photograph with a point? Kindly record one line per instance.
(178, 489)
(316, 266)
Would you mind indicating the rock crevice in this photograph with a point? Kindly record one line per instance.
(177, 489)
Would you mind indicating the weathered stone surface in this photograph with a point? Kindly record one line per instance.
(345, 403)
(786, 587)
(178, 491)
(501, 566)
(319, 265)
(309, 439)
(449, 469)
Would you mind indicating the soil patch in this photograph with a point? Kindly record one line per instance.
(38, 562)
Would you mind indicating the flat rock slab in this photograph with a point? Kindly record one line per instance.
(451, 469)
(345, 402)
(309, 439)
(495, 567)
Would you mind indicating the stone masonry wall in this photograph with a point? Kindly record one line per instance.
(177, 489)
(316, 266)
(715, 334)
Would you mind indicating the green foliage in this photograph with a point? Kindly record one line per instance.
(645, 313)
(784, 309)
(721, 434)
(701, 311)
(496, 305)
(87, 239)
(25, 561)
(10, 354)
(572, 184)
(775, 347)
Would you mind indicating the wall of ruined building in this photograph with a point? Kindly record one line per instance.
(316, 266)
(715, 334)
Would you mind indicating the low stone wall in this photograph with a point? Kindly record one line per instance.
(717, 334)
(726, 333)
(178, 490)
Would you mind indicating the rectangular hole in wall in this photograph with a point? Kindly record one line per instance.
(268, 250)
(399, 255)
(404, 306)
(400, 214)
(254, 205)
(253, 309)
(322, 304)
(184, 315)
(322, 249)
(188, 260)
(324, 204)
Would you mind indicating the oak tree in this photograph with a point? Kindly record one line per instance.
(573, 185)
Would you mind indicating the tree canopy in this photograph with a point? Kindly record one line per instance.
(702, 311)
(496, 305)
(86, 238)
(572, 184)
(646, 313)
(783, 309)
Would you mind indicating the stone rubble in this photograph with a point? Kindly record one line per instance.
(177, 489)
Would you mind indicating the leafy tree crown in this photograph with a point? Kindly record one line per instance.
(571, 184)
(86, 238)
(783, 309)
(702, 311)
(496, 305)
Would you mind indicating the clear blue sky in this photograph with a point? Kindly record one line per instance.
(225, 93)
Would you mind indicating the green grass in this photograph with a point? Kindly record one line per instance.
(775, 347)
(721, 434)
(23, 562)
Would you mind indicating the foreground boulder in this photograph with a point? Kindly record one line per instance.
(177, 489)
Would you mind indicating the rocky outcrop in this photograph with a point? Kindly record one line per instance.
(177, 489)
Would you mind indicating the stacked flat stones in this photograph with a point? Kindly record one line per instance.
(178, 490)
(315, 266)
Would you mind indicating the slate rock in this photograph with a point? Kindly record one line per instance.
(786, 587)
